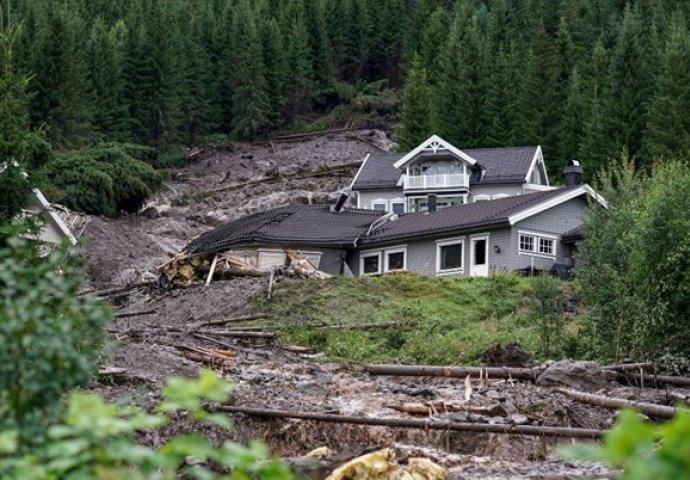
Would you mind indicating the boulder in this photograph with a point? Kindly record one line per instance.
(510, 355)
(580, 375)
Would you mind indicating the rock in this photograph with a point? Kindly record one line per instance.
(519, 419)
(512, 355)
(498, 411)
(151, 212)
(585, 376)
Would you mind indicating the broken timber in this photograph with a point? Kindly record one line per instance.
(136, 313)
(455, 372)
(428, 424)
(239, 334)
(651, 409)
(113, 291)
(654, 380)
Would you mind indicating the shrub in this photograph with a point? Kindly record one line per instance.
(97, 440)
(103, 180)
(548, 311)
(49, 337)
(643, 450)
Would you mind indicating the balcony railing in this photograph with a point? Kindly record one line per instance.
(446, 180)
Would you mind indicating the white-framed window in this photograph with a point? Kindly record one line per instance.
(482, 198)
(537, 244)
(370, 263)
(379, 204)
(395, 259)
(450, 256)
(421, 203)
(397, 205)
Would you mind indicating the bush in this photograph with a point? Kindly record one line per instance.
(103, 180)
(97, 440)
(548, 311)
(49, 337)
(642, 450)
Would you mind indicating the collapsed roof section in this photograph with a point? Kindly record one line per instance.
(322, 226)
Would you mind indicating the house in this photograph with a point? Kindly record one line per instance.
(439, 172)
(57, 219)
(530, 231)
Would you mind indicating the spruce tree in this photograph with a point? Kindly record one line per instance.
(630, 86)
(299, 84)
(572, 122)
(250, 107)
(502, 102)
(274, 57)
(593, 147)
(415, 115)
(668, 126)
(433, 36)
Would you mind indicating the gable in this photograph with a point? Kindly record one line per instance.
(432, 147)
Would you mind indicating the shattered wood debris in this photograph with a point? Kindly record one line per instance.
(183, 269)
(381, 465)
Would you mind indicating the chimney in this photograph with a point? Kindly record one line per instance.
(573, 173)
(341, 202)
(431, 203)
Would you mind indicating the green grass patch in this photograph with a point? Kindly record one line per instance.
(446, 320)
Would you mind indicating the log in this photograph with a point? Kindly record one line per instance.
(211, 270)
(242, 318)
(651, 380)
(629, 366)
(429, 408)
(427, 424)
(650, 409)
(242, 334)
(135, 314)
(113, 291)
(453, 372)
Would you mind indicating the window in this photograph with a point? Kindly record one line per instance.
(449, 256)
(395, 259)
(546, 246)
(381, 206)
(370, 264)
(482, 198)
(537, 244)
(398, 207)
(526, 243)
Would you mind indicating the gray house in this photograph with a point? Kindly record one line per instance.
(527, 231)
(403, 182)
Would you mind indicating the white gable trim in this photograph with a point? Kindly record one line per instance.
(564, 197)
(359, 171)
(433, 144)
(538, 157)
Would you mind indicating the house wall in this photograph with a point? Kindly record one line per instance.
(367, 197)
(329, 262)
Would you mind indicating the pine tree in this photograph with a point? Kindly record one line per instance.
(276, 70)
(572, 122)
(668, 126)
(299, 84)
(630, 82)
(415, 115)
(320, 49)
(460, 93)
(105, 62)
(250, 108)
(540, 101)
(593, 148)
(502, 103)
(385, 56)
(431, 42)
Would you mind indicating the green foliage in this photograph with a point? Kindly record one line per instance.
(642, 450)
(96, 439)
(102, 180)
(49, 337)
(416, 109)
(445, 320)
(634, 272)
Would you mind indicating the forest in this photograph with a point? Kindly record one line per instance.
(586, 79)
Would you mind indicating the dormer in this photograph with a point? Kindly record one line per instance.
(435, 165)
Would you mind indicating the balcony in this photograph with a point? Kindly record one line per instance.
(444, 180)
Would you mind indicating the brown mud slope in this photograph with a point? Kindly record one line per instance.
(147, 345)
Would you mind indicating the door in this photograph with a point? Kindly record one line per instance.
(479, 252)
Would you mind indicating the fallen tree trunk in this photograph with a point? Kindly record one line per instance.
(650, 380)
(428, 424)
(456, 372)
(651, 409)
(135, 314)
(629, 366)
(241, 334)
(243, 318)
(113, 291)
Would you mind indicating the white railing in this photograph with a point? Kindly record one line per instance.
(437, 181)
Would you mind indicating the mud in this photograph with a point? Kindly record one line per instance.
(130, 248)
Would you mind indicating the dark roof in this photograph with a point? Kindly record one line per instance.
(458, 218)
(502, 165)
(497, 165)
(572, 236)
(292, 225)
(378, 172)
(316, 225)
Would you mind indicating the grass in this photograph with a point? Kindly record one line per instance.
(446, 320)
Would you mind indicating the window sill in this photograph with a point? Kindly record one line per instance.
(537, 255)
(454, 271)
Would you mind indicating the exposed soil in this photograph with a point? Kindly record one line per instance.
(129, 248)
